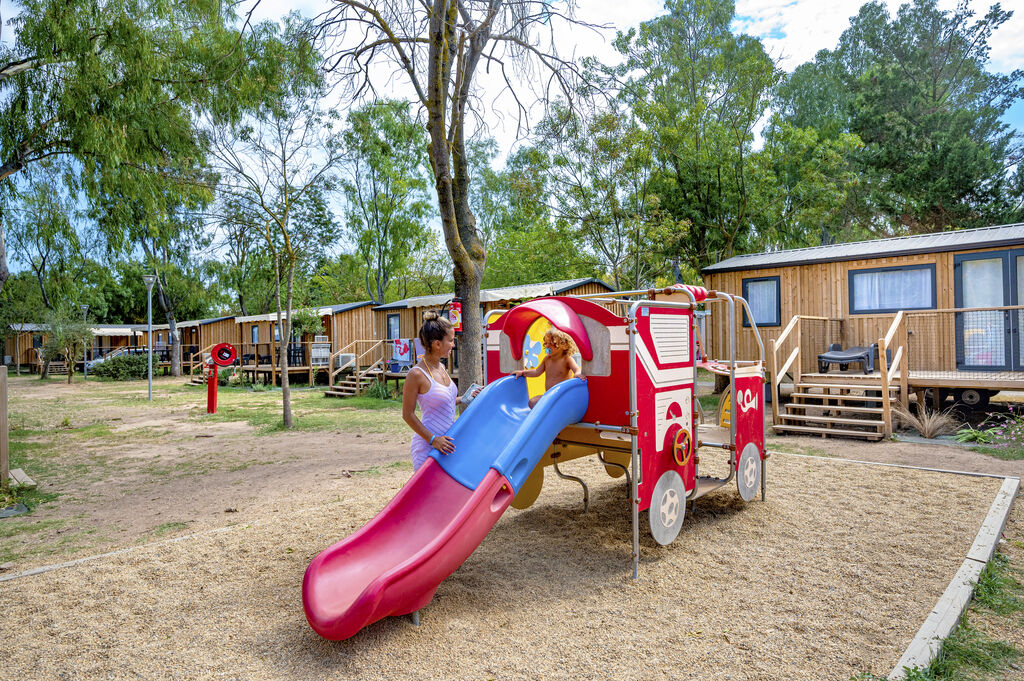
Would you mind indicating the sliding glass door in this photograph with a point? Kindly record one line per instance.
(989, 340)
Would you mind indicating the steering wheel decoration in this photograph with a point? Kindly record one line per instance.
(682, 447)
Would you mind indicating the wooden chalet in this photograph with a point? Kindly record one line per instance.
(930, 315)
(367, 357)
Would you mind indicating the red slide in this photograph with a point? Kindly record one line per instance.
(394, 564)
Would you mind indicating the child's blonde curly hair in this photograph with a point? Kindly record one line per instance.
(560, 339)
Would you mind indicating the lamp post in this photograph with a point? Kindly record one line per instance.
(85, 348)
(150, 279)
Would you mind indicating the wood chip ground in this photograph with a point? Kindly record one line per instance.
(831, 577)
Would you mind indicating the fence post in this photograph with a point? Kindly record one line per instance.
(883, 366)
(772, 381)
(5, 461)
(905, 364)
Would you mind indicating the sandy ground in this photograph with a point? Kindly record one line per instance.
(831, 576)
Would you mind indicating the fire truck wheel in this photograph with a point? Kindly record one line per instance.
(668, 506)
(748, 472)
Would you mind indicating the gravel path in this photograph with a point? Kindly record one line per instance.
(832, 576)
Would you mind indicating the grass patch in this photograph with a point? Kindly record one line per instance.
(709, 403)
(166, 528)
(377, 471)
(970, 653)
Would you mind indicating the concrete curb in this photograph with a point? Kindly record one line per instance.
(946, 614)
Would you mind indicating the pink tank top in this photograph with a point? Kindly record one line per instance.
(437, 407)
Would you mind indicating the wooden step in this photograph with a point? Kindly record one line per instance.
(832, 399)
(832, 419)
(835, 407)
(818, 430)
(844, 386)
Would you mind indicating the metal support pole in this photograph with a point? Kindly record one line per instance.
(635, 454)
(85, 348)
(150, 279)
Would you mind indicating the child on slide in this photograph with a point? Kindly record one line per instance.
(557, 365)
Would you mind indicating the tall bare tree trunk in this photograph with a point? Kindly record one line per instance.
(452, 185)
(4, 272)
(284, 324)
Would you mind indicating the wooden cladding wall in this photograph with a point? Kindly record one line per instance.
(352, 325)
(822, 290)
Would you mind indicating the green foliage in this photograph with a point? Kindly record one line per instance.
(306, 322)
(67, 336)
(379, 390)
(386, 183)
(698, 90)
(1003, 434)
(979, 435)
(915, 90)
(600, 173)
(122, 368)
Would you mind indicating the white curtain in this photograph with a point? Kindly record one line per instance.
(892, 290)
(763, 298)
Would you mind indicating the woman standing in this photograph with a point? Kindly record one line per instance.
(429, 385)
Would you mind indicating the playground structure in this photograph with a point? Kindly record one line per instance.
(222, 355)
(635, 408)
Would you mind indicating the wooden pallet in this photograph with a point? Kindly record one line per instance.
(18, 478)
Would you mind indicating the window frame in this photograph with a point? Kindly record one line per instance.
(254, 334)
(778, 300)
(892, 268)
(387, 322)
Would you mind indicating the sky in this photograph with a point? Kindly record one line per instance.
(792, 31)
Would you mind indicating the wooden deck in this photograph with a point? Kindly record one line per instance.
(919, 379)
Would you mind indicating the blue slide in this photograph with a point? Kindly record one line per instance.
(499, 430)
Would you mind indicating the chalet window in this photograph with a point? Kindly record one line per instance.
(37, 341)
(277, 333)
(762, 295)
(394, 325)
(890, 289)
(254, 334)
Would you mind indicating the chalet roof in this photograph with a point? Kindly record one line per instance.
(344, 307)
(491, 295)
(202, 322)
(97, 329)
(956, 240)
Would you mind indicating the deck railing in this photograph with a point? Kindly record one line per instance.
(367, 356)
(955, 341)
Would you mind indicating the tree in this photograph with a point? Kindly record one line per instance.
(386, 186)
(67, 336)
(915, 90)
(20, 306)
(115, 85)
(282, 163)
(699, 91)
(599, 167)
(438, 46)
(49, 236)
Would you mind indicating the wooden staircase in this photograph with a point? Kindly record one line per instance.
(58, 368)
(843, 405)
(352, 385)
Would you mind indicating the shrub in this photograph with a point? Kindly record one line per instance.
(1006, 433)
(122, 368)
(928, 422)
(380, 391)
